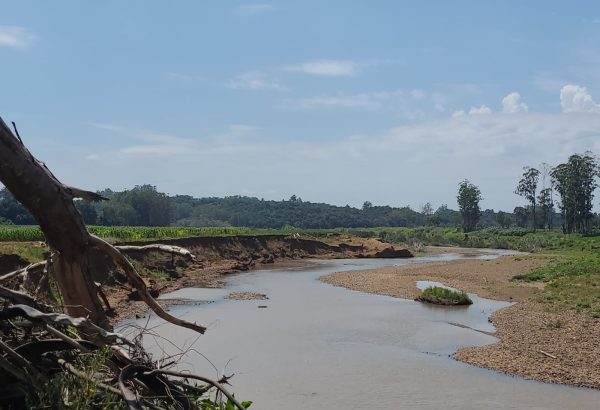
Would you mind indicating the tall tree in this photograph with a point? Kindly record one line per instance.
(468, 199)
(546, 206)
(575, 182)
(527, 188)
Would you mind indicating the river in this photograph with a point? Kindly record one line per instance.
(315, 346)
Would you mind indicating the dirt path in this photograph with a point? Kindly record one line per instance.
(556, 347)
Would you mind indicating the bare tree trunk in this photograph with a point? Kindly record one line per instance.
(51, 203)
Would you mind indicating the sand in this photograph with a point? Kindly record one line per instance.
(534, 343)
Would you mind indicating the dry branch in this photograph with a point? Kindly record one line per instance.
(59, 318)
(201, 378)
(138, 283)
(174, 250)
(23, 271)
(22, 298)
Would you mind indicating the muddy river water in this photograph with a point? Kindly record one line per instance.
(315, 346)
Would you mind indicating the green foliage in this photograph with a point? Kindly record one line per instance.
(575, 182)
(527, 188)
(433, 292)
(208, 404)
(66, 391)
(468, 199)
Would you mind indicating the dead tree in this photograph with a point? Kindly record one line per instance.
(51, 203)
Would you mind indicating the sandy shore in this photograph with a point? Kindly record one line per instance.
(533, 343)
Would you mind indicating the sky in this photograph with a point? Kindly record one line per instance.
(392, 102)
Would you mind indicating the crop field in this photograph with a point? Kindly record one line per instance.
(14, 233)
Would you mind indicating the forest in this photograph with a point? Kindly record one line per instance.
(145, 206)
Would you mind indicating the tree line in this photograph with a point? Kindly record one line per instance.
(570, 186)
(571, 183)
(145, 206)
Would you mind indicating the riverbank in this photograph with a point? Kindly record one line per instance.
(535, 342)
(217, 257)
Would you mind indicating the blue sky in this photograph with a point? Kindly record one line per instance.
(388, 101)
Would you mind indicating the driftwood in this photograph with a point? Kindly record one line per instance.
(173, 250)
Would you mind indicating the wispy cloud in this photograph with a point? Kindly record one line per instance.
(254, 80)
(155, 144)
(330, 68)
(481, 110)
(16, 37)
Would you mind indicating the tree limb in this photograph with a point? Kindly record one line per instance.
(23, 271)
(22, 298)
(201, 378)
(174, 250)
(138, 283)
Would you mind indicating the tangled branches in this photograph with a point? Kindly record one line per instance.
(47, 360)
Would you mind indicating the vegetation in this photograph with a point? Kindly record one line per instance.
(468, 203)
(444, 296)
(527, 188)
(575, 182)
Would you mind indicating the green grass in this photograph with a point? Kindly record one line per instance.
(435, 292)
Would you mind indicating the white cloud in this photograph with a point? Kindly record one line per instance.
(254, 81)
(511, 104)
(332, 68)
(482, 110)
(14, 36)
(488, 149)
(459, 113)
(92, 157)
(574, 98)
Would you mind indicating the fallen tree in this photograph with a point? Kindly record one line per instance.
(37, 342)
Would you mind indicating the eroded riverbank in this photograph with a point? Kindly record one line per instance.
(535, 343)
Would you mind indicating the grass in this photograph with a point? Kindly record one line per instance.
(439, 295)
(29, 252)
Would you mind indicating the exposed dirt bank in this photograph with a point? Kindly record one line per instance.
(533, 343)
(217, 257)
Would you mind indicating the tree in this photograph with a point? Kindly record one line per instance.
(521, 215)
(546, 206)
(367, 205)
(575, 182)
(527, 188)
(87, 211)
(503, 219)
(12, 209)
(427, 209)
(468, 199)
